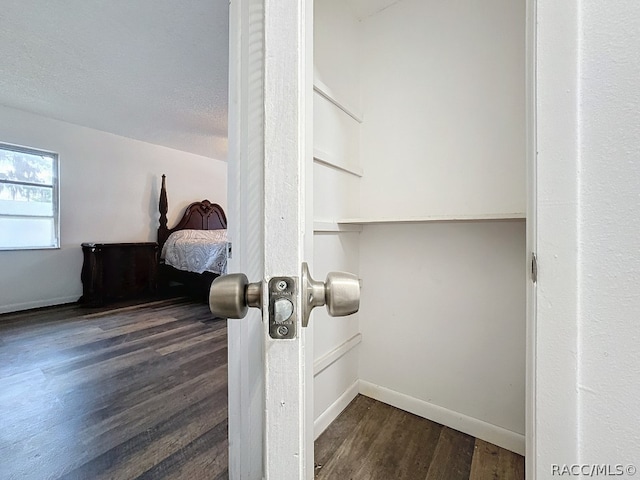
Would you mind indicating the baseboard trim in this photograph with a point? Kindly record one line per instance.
(330, 414)
(502, 437)
(16, 307)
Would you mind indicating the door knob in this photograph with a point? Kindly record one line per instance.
(340, 292)
(230, 296)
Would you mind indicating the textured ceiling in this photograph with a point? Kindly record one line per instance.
(154, 70)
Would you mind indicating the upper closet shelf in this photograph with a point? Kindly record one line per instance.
(324, 91)
(330, 161)
(434, 218)
(329, 226)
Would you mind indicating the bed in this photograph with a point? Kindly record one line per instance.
(194, 252)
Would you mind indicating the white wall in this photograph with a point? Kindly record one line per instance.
(588, 223)
(336, 49)
(443, 106)
(610, 231)
(109, 188)
(443, 135)
(336, 196)
(442, 321)
(335, 339)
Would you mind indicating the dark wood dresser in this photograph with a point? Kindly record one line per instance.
(116, 271)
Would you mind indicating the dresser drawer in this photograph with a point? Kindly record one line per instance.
(115, 271)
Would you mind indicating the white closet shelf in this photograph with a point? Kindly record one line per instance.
(328, 226)
(434, 218)
(328, 94)
(329, 160)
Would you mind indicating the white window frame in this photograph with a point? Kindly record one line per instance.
(55, 194)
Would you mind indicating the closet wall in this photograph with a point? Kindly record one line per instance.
(443, 139)
(336, 196)
(429, 182)
(443, 102)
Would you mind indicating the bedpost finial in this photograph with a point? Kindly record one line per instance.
(163, 204)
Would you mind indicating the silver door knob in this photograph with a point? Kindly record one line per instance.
(340, 292)
(230, 296)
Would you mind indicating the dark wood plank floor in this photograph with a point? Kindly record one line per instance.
(374, 441)
(140, 392)
(133, 393)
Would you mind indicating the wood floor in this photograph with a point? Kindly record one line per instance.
(374, 441)
(140, 392)
(135, 393)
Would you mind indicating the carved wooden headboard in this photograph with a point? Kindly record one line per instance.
(202, 215)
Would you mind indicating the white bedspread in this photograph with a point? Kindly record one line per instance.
(197, 251)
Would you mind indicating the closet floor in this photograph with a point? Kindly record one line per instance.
(371, 440)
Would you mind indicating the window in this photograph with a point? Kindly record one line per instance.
(28, 198)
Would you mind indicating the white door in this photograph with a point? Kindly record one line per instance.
(270, 228)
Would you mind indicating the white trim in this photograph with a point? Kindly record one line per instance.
(16, 307)
(555, 348)
(435, 218)
(326, 159)
(308, 242)
(502, 437)
(530, 379)
(336, 354)
(245, 210)
(334, 227)
(336, 408)
(325, 92)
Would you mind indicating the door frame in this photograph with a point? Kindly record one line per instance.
(531, 232)
(553, 208)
